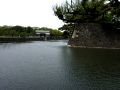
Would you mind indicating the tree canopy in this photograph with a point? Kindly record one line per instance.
(16, 31)
(79, 11)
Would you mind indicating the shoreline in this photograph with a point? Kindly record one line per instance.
(24, 39)
(93, 47)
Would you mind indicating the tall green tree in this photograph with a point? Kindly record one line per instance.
(82, 11)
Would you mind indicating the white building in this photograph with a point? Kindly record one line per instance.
(42, 33)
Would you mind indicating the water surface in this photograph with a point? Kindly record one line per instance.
(51, 65)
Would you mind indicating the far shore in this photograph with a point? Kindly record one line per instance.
(32, 38)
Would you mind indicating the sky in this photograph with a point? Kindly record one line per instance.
(35, 13)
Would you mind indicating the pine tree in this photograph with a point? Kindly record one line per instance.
(82, 11)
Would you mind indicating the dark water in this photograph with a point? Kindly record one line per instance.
(54, 66)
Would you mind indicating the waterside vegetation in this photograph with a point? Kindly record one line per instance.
(91, 23)
(20, 31)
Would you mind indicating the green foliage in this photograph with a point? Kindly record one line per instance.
(115, 10)
(68, 29)
(16, 31)
(82, 11)
(89, 11)
(45, 29)
(66, 34)
(30, 31)
(19, 31)
(55, 33)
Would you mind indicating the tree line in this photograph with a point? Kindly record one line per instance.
(20, 31)
(15, 31)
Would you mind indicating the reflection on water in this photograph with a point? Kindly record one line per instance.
(54, 66)
(95, 69)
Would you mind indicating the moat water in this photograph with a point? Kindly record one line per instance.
(51, 65)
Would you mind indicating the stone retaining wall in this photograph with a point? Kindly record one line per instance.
(93, 35)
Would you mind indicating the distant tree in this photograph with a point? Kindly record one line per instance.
(18, 28)
(30, 31)
(16, 31)
(55, 33)
(45, 28)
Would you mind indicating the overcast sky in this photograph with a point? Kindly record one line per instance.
(37, 13)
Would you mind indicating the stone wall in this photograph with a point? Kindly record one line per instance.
(93, 35)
